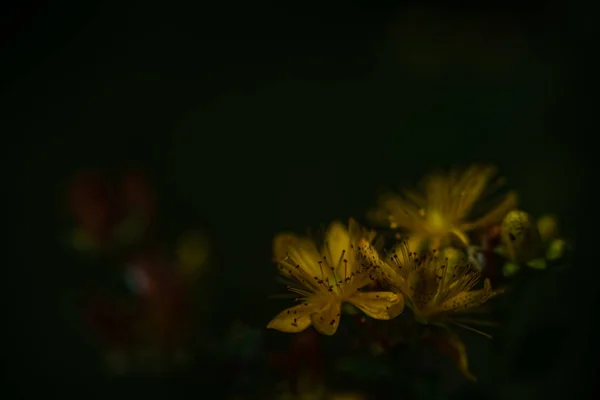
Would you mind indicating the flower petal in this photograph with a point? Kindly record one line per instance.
(395, 212)
(369, 255)
(298, 251)
(357, 232)
(294, 319)
(495, 215)
(466, 300)
(379, 305)
(327, 320)
(337, 247)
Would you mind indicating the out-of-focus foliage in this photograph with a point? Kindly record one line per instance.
(143, 319)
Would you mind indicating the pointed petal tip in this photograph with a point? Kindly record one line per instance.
(337, 226)
(281, 243)
(326, 321)
(292, 320)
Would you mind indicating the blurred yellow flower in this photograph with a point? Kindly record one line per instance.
(440, 211)
(329, 278)
(438, 287)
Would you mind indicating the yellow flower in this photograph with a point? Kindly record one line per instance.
(441, 209)
(328, 278)
(437, 288)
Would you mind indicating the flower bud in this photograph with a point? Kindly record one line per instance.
(519, 236)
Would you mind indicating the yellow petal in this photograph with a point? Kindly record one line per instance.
(453, 255)
(327, 320)
(466, 300)
(411, 244)
(370, 256)
(357, 232)
(379, 305)
(416, 198)
(495, 215)
(297, 251)
(395, 212)
(464, 239)
(337, 242)
(294, 319)
(470, 186)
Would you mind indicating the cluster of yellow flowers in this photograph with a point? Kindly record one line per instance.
(430, 269)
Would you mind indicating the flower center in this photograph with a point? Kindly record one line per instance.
(436, 223)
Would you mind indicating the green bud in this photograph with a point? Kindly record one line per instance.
(519, 236)
(556, 249)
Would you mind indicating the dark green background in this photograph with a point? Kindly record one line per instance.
(254, 119)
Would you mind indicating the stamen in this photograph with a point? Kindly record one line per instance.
(299, 291)
(299, 274)
(467, 327)
(341, 258)
(345, 270)
(321, 267)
